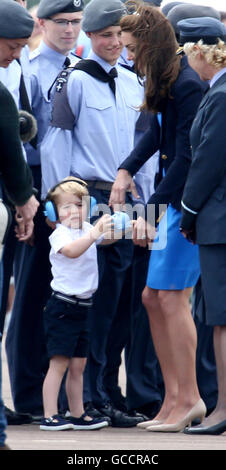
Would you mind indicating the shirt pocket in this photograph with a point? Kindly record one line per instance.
(96, 105)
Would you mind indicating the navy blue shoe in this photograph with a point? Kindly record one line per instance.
(82, 423)
(55, 423)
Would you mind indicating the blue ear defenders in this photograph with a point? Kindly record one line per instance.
(50, 208)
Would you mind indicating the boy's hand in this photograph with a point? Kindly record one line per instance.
(103, 225)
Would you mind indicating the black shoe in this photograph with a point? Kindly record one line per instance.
(5, 447)
(135, 414)
(150, 409)
(213, 430)
(118, 418)
(94, 413)
(14, 418)
(36, 419)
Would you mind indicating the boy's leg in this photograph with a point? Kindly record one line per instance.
(52, 382)
(74, 385)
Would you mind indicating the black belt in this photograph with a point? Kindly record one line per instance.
(104, 185)
(73, 299)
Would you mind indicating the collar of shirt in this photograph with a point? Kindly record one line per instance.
(217, 76)
(55, 57)
(105, 65)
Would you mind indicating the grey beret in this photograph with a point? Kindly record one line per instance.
(189, 10)
(48, 8)
(15, 21)
(99, 14)
(207, 29)
(166, 8)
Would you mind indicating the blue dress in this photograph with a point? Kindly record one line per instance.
(174, 262)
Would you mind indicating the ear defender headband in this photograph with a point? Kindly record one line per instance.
(50, 207)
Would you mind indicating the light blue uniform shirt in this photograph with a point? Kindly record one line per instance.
(102, 132)
(11, 76)
(45, 65)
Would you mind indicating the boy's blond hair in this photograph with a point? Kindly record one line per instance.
(77, 187)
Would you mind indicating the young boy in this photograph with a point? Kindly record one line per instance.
(73, 257)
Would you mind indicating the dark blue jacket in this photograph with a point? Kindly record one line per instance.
(172, 139)
(205, 189)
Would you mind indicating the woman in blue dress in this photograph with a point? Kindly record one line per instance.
(173, 92)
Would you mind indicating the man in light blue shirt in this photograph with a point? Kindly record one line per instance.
(93, 123)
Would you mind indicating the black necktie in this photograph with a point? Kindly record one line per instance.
(67, 62)
(112, 74)
(25, 103)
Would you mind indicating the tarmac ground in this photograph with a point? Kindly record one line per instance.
(31, 438)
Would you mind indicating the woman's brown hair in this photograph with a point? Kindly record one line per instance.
(155, 56)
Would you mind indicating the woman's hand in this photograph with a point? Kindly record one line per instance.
(143, 232)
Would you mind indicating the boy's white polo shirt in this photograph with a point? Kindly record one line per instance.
(73, 276)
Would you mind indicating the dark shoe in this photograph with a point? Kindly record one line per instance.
(14, 418)
(118, 418)
(55, 423)
(94, 413)
(150, 409)
(36, 419)
(117, 400)
(5, 447)
(79, 424)
(135, 414)
(214, 430)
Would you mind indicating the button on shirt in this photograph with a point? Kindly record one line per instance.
(102, 133)
(45, 65)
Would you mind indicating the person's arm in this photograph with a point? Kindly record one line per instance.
(187, 99)
(77, 247)
(208, 164)
(16, 174)
(209, 160)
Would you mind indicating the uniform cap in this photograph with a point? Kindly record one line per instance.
(166, 8)
(49, 8)
(189, 10)
(207, 29)
(99, 14)
(15, 21)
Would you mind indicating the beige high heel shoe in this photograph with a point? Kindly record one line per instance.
(152, 422)
(197, 411)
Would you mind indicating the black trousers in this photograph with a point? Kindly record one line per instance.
(25, 341)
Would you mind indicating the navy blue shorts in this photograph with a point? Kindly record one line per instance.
(66, 329)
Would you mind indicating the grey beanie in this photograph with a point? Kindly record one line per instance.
(189, 10)
(99, 14)
(48, 8)
(15, 21)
